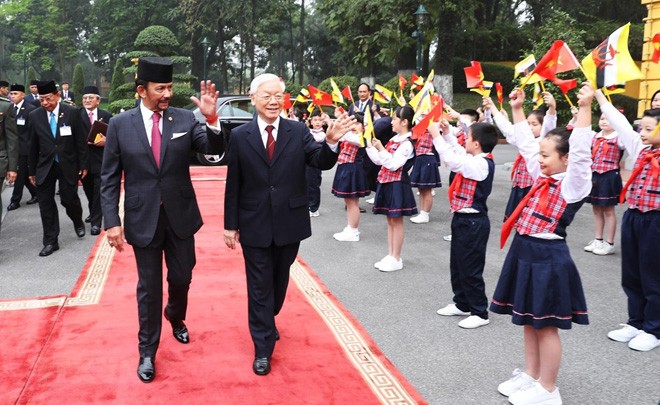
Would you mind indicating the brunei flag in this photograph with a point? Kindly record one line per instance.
(615, 89)
(525, 68)
(337, 97)
(484, 90)
(369, 132)
(303, 96)
(610, 63)
(537, 98)
(382, 95)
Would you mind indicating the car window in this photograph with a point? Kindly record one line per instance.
(237, 108)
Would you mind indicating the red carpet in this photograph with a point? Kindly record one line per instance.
(90, 353)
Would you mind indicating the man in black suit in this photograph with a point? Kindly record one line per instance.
(67, 95)
(364, 100)
(150, 146)
(92, 182)
(8, 146)
(266, 201)
(33, 97)
(4, 88)
(58, 154)
(22, 109)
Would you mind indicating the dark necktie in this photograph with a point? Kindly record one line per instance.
(270, 142)
(16, 110)
(156, 138)
(544, 186)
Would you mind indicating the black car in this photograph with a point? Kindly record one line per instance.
(232, 112)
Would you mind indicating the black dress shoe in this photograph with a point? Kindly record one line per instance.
(179, 330)
(95, 230)
(146, 370)
(80, 231)
(362, 210)
(49, 249)
(13, 206)
(261, 365)
(88, 219)
(32, 200)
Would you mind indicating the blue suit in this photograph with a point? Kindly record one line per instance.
(266, 201)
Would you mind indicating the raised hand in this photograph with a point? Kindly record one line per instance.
(208, 97)
(338, 128)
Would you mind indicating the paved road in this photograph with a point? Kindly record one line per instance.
(448, 365)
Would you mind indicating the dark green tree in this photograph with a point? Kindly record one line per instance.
(78, 82)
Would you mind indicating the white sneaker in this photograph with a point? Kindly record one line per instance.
(473, 322)
(370, 200)
(314, 213)
(421, 218)
(385, 259)
(644, 342)
(604, 249)
(593, 245)
(451, 310)
(433, 193)
(625, 334)
(348, 235)
(391, 265)
(447, 238)
(518, 381)
(535, 394)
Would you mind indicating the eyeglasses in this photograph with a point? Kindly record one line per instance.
(266, 97)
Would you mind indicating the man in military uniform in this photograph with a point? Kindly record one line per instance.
(8, 145)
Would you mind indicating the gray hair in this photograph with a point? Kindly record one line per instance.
(263, 78)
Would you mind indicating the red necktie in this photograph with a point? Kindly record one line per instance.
(600, 141)
(655, 171)
(270, 142)
(156, 138)
(544, 186)
(519, 159)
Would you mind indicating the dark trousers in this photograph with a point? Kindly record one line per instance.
(313, 177)
(92, 187)
(22, 181)
(48, 208)
(180, 260)
(640, 278)
(267, 271)
(467, 260)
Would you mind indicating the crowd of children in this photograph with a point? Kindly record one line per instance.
(557, 170)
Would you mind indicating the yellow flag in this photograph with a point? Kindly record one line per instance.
(426, 91)
(368, 128)
(538, 97)
(382, 94)
(336, 93)
(484, 90)
(610, 64)
(310, 107)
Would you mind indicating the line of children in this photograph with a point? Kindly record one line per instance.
(394, 196)
(540, 286)
(640, 228)
(470, 226)
(606, 153)
(350, 181)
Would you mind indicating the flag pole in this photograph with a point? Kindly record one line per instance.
(608, 97)
(527, 78)
(569, 100)
(542, 86)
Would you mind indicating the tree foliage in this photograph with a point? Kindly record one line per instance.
(78, 82)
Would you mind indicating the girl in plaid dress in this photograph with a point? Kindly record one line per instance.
(606, 152)
(394, 196)
(350, 181)
(425, 176)
(640, 229)
(539, 285)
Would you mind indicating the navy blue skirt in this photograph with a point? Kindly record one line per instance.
(605, 188)
(425, 172)
(394, 199)
(516, 195)
(350, 181)
(540, 285)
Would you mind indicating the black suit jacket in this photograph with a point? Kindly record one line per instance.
(71, 149)
(266, 201)
(94, 153)
(354, 107)
(23, 130)
(127, 151)
(30, 98)
(69, 96)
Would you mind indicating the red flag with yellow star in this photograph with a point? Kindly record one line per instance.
(474, 76)
(558, 59)
(434, 115)
(319, 97)
(656, 48)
